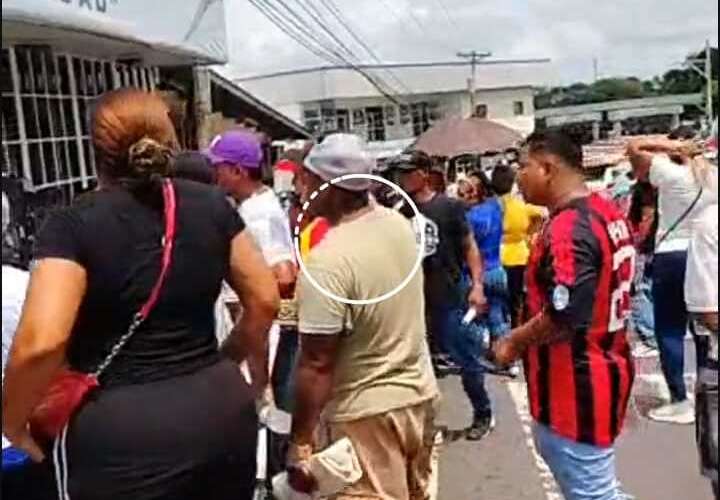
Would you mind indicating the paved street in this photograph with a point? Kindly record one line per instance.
(656, 462)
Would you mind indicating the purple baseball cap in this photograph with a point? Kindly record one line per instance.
(236, 147)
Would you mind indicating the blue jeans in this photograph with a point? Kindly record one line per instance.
(583, 472)
(642, 319)
(440, 321)
(671, 319)
(466, 346)
(498, 297)
(283, 375)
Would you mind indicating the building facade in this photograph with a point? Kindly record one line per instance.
(59, 56)
(391, 103)
(613, 119)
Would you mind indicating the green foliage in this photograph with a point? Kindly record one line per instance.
(675, 81)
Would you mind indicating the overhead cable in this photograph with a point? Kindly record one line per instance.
(298, 29)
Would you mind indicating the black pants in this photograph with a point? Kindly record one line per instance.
(283, 383)
(516, 291)
(188, 438)
(33, 482)
(706, 409)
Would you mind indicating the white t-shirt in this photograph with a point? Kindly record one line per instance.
(701, 282)
(677, 189)
(269, 225)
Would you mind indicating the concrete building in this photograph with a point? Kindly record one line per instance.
(605, 120)
(58, 56)
(413, 96)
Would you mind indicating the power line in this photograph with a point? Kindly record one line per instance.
(306, 30)
(318, 18)
(332, 37)
(337, 14)
(450, 19)
(422, 29)
(277, 19)
(398, 18)
(297, 28)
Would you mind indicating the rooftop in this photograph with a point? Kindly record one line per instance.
(400, 79)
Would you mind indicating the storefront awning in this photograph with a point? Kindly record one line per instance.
(157, 32)
(233, 101)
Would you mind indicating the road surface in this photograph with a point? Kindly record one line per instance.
(655, 462)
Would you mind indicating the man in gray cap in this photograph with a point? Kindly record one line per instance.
(364, 366)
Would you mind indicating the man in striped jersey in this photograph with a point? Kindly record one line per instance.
(578, 364)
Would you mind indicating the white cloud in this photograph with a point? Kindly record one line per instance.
(641, 37)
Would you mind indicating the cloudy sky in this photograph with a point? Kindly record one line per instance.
(628, 37)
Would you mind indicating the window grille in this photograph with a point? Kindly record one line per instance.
(47, 100)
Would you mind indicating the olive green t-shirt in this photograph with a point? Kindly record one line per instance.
(384, 361)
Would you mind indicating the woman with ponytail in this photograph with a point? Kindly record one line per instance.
(170, 418)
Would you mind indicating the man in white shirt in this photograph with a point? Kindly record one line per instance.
(701, 294)
(686, 186)
(237, 157)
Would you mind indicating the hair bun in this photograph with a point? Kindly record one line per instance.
(148, 158)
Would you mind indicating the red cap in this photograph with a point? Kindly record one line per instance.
(286, 166)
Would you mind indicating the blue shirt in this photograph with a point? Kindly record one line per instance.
(486, 223)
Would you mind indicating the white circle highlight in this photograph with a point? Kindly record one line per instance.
(394, 291)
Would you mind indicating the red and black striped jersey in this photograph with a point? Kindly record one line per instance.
(580, 272)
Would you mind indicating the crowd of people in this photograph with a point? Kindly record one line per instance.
(170, 314)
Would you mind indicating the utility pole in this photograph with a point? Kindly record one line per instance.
(709, 78)
(596, 69)
(475, 58)
(707, 73)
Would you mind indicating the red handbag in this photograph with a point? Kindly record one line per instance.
(70, 389)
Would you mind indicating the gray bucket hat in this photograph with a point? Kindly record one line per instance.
(339, 155)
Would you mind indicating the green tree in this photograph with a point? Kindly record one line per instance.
(682, 81)
(612, 89)
(674, 81)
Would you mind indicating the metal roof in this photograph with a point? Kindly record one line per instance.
(261, 106)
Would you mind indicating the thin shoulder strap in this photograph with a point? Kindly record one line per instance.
(170, 212)
(681, 219)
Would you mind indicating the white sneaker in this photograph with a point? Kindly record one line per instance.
(643, 352)
(682, 413)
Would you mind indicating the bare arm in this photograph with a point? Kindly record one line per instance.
(285, 274)
(314, 384)
(56, 290)
(254, 283)
(641, 152)
(640, 159)
(474, 261)
(540, 330)
(709, 321)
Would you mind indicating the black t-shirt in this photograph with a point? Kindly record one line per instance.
(118, 240)
(445, 230)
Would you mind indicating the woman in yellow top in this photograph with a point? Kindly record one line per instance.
(520, 222)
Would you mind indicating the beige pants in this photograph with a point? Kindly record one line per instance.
(394, 450)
